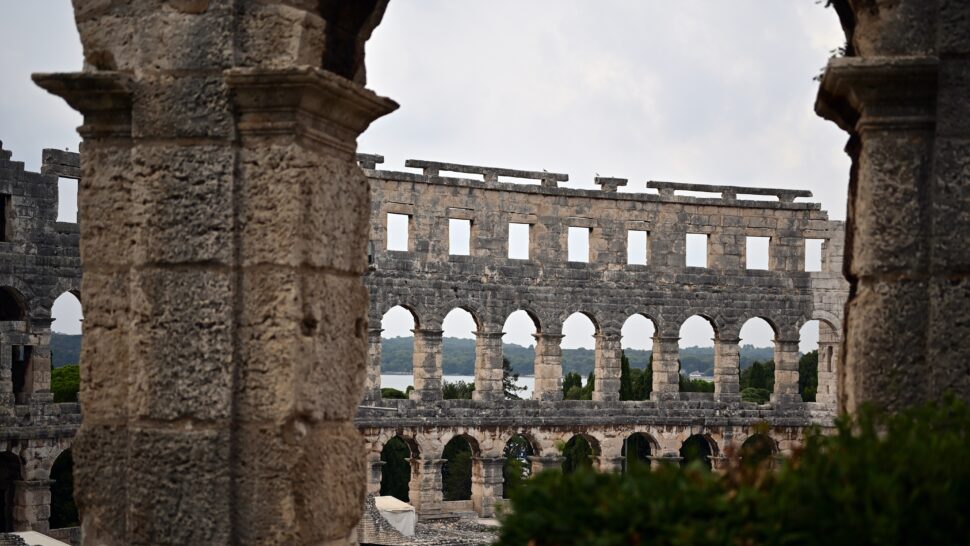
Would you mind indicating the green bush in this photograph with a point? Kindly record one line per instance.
(459, 390)
(65, 383)
(876, 480)
(391, 393)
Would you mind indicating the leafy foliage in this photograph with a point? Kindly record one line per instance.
(66, 383)
(572, 388)
(635, 384)
(808, 376)
(396, 472)
(391, 393)
(517, 467)
(878, 480)
(459, 390)
(509, 381)
(695, 385)
(577, 454)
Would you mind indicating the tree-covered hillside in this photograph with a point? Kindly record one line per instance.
(458, 357)
(65, 349)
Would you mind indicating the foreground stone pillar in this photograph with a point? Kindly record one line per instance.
(223, 229)
(607, 365)
(727, 378)
(488, 366)
(548, 367)
(427, 365)
(901, 94)
(372, 384)
(488, 482)
(786, 372)
(32, 505)
(424, 489)
(666, 367)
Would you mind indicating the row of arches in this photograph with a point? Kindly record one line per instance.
(462, 454)
(63, 510)
(65, 311)
(638, 341)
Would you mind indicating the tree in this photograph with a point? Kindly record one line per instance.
(570, 380)
(456, 471)
(459, 390)
(391, 393)
(808, 376)
(577, 453)
(65, 383)
(626, 379)
(517, 467)
(396, 472)
(695, 385)
(510, 381)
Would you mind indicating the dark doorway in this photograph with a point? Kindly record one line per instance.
(396, 472)
(9, 473)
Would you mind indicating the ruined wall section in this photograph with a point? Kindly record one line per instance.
(430, 282)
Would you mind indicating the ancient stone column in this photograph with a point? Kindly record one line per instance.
(223, 226)
(828, 358)
(488, 366)
(375, 467)
(424, 489)
(546, 462)
(786, 372)
(666, 367)
(427, 365)
(32, 505)
(372, 385)
(40, 361)
(607, 365)
(488, 481)
(548, 367)
(609, 463)
(901, 94)
(727, 360)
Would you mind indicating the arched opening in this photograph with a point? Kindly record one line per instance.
(63, 509)
(698, 448)
(13, 306)
(819, 345)
(637, 450)
(696, 354)
(759, 448)
(578, 357)
(396, 471)
(66, 347)
(517, 467)
(757, 375)
(456, 470)
(9, 474)
(458, 354)
(519, 351)
(397, 352)
(579, 453)
(636, 368)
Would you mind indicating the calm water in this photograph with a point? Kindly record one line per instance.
(401, 382)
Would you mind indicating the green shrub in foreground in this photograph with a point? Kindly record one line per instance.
(878, 479)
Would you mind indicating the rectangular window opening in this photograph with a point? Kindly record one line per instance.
(756, 252)
(67, 200)
(636, 247)
(459, 237)
(519, 241)
(397, 232)
(578, 244)
(5, 217)
(813, 254)
(20, 363)
(696, 250)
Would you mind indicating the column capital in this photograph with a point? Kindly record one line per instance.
(103, 97)
(428, 332)
(549, 337)
(728, 340)
(608, 336)
(311, 102)
(489, 334)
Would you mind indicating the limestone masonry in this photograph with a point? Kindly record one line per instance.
(41, 261)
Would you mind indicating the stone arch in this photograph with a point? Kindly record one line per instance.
(699, 448)
(13, 304)
(638, 331)
(415, 313)
(580, 451)
(527, 310)
(683, 344)
(517, 467)
(68, 300)
(457, 469)
(638, 448)
(758, 448)
(396, 454)
(11, 471)
(64, 511)
(477, 313)
(767, 318)
(566, 315)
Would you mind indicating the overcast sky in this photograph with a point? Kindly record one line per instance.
(691, 91)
